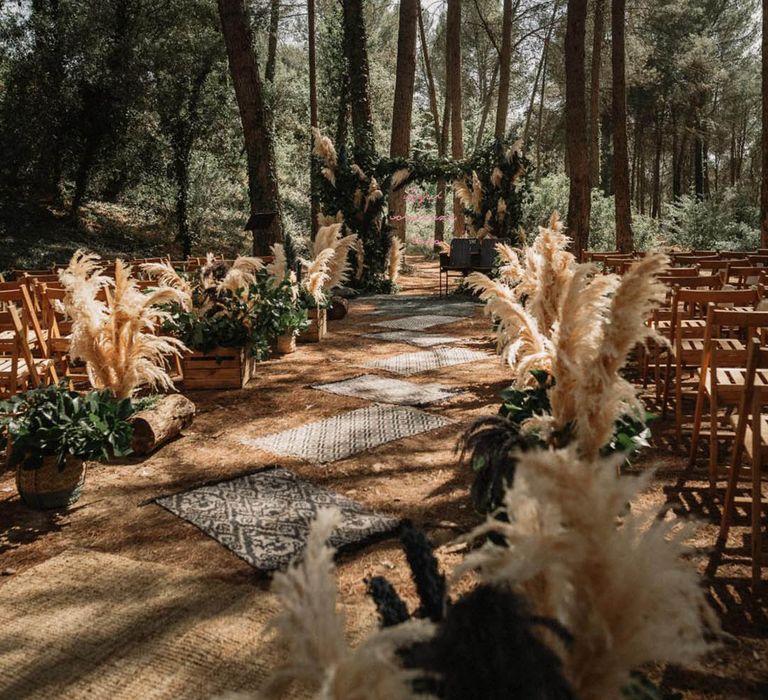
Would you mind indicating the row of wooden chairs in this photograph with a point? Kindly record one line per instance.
(713, 352)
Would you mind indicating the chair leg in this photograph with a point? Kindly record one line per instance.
(757, 507)
(730, 491)
(713, 434)
(696, 427)
(679, 400)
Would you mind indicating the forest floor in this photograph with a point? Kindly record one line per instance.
(81, 574)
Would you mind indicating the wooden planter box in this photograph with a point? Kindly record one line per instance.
(221, 368)
(318, 327)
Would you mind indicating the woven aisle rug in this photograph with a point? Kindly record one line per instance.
(264, 517)
(417, 323)
(414, 362)
(349, 433)
(422, 340)
(388, 390)
(435, 309)
(89, 625)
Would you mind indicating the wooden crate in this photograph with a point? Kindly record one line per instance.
(318, 327)
(221, 368)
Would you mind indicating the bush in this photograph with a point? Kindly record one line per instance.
(726, 220)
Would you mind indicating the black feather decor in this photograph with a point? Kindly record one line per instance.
(390, 606)
(487, 649)
(429, 581)
(486, 646)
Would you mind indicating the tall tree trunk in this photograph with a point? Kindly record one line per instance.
(430, 79)
(486, 107)
(606, 153)
(263, 189)
(403, 106)
(656, 186)
(502, 107)
(540, 68)
(453, 80)
(764, 144)
(356, 49)
(577, 145)
(698, 167)
(441, 133)
(624, 241)
(313, 118)
(440, 190)
(594, 93)
(274, 25)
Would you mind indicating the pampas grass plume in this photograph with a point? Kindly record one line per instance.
(394, 259)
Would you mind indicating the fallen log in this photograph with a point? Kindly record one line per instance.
(338, 308)
(161, 422)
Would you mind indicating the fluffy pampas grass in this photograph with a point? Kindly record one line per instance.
(278, 268)
(399, 178)
(165, 274)
(520, 342)
(312, 630)
(394, 259)
(615, 578)
(323, 148)
(116, 337)
(602, 319)
(340, 265)
(317, 274)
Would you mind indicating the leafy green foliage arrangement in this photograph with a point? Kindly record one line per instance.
(53, 420)
(491, 442)
(283, 311)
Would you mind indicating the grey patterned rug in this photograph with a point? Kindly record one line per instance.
(414, 362)
(417, 323)
(422, 340)
(388, 390)
(444, 306)
(264, 517)
(348, 433)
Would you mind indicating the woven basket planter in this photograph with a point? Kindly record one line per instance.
(47, 486)
(285, 344)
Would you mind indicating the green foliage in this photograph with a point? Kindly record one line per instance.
(492, 442)
(281, 313)
(53, 420)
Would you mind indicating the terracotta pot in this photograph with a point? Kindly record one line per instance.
(286, 344)
(46, 486)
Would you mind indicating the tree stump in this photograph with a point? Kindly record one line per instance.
(338, 308)
(160, 423)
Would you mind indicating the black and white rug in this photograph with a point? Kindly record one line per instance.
(264, 517)
(387, 390)
(409, 363)
(417, 323)
(422, 340)
(348, 433)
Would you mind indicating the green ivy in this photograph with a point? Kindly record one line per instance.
(53, 420)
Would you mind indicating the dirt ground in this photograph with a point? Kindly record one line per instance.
(417, 478)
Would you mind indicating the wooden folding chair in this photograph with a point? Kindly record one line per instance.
(689, 313)
(751, 426)
(722, 375)
(741, 276)
(19, 366)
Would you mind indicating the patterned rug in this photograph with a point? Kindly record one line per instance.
(388, 390)
(414, 362)
(416, 323)
(422, 304)
(348, 433)
(422, 340)
(264, 517)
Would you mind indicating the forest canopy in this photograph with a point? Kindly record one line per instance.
(121, 125)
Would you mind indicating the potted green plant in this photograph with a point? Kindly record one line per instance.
(286, 315)
(50, 433)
